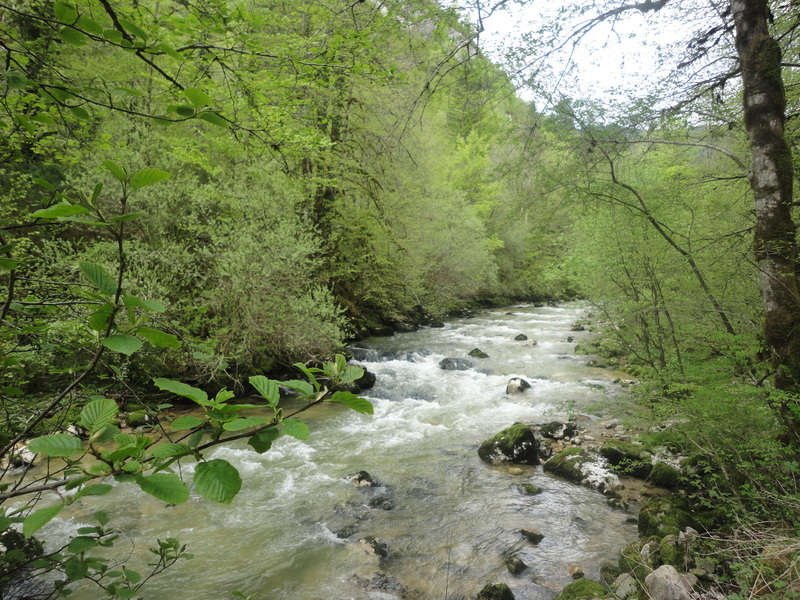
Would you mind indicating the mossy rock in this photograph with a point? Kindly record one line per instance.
(139, 418)
(670, 552)
(558, 431)
(515, 444)
(495, 591)
(609, 572)
(478, 353)
(568, 464)
(637, 559)
(627, 458)
(665, 475)
(661, 517)
(530, 489)
(583, 589)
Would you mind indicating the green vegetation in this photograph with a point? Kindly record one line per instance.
(217, 193)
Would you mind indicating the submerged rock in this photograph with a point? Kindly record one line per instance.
(478, 353)
(362, 479)
(515, 444)
(495, 591)
(455, 364)
(515, 565)
(375, 546)
(517, 385)
(521, 337)
(532, 535)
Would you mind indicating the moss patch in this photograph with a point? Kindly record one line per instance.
(583, 589)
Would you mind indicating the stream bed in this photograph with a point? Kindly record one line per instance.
(445, 518)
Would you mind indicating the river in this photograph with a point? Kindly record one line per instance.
(446, 519)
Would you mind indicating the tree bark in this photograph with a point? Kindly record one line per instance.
(771, 179)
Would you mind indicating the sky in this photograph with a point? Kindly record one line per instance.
(610, 61)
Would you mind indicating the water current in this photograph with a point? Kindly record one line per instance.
(447, 519)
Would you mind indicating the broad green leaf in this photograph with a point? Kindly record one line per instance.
(262, 441)
(126, 218)
(133, 29)
(132, 576)
(122, 343)
(90, 25)
(139, 303)
(181, 389)
(158, 338)
(8, 264)
(350, 374)
(63, 209)
(56, 444)
(267, 388)
(224, 395)
(118, 172)
(98, 413)
(102, 517)
(148, 177)
(113, 36)
(169, 449)
(357, 403)
(186, 422)
(167, 487)
(75, 569)
(99, 277)
(303, 387)
(38, 519)
(198, 97)
(15, 80)
(44, 183)
(295, 428)
(244, 423)
(125, 593)
(65, 11)
(81, 544)
(80, 112)
(43, 118)
(99, 319)
(183, 110)
(213, 118)
(73, 36)
(217, 480)
(97, 489)
(169, 50)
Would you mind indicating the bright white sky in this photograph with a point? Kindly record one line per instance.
(627, 55)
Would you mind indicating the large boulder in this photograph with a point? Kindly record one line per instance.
(584, 467)
(583, 589)
(515, 444)
(666, 583)
(661, 517)
(517, 385)
(628, 458)
(455, 364)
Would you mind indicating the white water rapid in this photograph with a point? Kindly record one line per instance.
(447, 519)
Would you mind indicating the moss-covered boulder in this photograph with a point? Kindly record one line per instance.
(581, 466)
(583, 589)
(478, 353)
(515, 444)
(639, 559)
(665, 475)
(495, 591)
(558, 431)
(661, 517)
(627, 458)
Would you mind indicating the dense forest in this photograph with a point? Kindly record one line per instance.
(199, 198)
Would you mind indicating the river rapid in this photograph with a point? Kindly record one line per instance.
(447, 519)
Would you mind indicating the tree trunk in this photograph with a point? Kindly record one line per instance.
(775, 244)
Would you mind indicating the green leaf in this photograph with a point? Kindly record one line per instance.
(357, 403)
(183, 110)
(217, 480)
(102, 517)
(65, 11)
(148, 177)
(8, 264)
(98, 320)
(244, 423)
(262, 441)
(75, 569)
(296, 428)
(73, 36)
(170, 51)
(62, 209)
(118, 172)
(98, 413)
(44, 183)
(303, 387)
(167, 487)
(15, 80)
(213, 118)
(126, 218)
(80, 112)
(122, 343)
(43, 118)
(198, 97)
(124, 593)
(158, 338)
(181, 389)
(81, 544)
(99, 277)
(133, 301)
(56, 444)
(350, 374)
(38, 519)
(267, 388)
(169, 449)
(97, 489)
(133, 29)
(90, 25)
(132, 576)
(186, 422)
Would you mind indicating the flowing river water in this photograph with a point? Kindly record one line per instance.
(446, 518)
